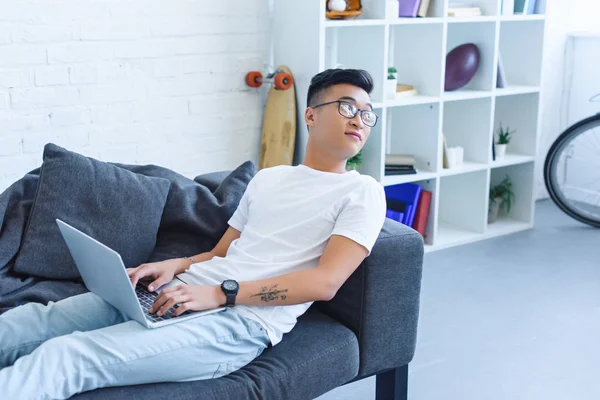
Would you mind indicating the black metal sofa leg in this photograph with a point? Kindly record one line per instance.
(392, 384)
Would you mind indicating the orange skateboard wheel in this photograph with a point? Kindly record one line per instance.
(254, 79)
(283, 81)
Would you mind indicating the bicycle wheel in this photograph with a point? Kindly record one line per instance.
(572, 171)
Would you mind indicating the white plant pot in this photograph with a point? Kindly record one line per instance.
(392, 9)
(494, 210)
(500, 151)
(390, 88)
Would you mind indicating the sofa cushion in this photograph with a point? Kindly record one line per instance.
(318, 355)
(117, 207)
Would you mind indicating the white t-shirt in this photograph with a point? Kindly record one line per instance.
(286, 217)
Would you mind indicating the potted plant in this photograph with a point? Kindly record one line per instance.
(504, 136)
(501, 197)
(391, 82)
(354, 162)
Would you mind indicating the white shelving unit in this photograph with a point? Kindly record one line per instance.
(308, 43)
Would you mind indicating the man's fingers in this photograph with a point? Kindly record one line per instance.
(171, 301)
(156, 284)
(184, 306)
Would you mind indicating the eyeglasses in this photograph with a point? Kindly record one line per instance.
(349, 110)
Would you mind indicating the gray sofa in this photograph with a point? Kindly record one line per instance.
(369, 328)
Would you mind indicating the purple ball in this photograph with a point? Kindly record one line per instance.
(461, 65)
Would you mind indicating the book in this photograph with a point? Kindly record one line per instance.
(520, 7)
(400, 171)
(409, 8)
(464, 12)
(508, 7)
(501, 78)
(422, 212)
(407, 214)
(400, 159)
(395, 205)
(395, 215)
(407, 193)
(423, 8)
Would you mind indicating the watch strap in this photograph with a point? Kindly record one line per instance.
(230, 299)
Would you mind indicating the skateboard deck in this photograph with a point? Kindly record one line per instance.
(279, 126)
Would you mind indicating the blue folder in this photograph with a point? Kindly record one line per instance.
(409, 194)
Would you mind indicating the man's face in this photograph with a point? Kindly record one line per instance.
(341, 135)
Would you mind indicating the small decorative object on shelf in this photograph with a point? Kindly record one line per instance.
(455, 156)
(501, 197)
(352, 9)
(504, 137)
(392, 9)
(462, 64)
(337, 5)
(391, 83)
(403, 90)
(354, 162)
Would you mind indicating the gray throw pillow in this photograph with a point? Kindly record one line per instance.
(115, 206)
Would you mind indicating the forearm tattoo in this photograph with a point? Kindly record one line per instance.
(270, 294)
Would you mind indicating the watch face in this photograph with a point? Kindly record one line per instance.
(230, 285)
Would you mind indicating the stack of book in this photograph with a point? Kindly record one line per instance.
(463, 9)
(464, 12)
(408, 204)
(400, 164)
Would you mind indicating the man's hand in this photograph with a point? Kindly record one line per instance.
(161, 272)
(189, 298)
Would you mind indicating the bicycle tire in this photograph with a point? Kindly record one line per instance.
(550, 166)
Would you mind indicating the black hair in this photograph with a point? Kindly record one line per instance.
(324, 80)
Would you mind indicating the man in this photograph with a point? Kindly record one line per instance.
(298, 233)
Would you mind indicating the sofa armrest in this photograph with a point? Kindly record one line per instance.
(380, 300)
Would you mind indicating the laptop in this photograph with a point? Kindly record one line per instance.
(105, 274)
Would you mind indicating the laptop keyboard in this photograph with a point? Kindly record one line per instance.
(147, 300)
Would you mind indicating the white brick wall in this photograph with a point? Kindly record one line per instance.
(134, 81)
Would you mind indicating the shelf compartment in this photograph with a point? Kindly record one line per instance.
(415, 130)
(468, 166)
(489, 8)
(511, 90)
(449, 235)
(462, 210)
(483, 35)
(521, 51)
(468, 124)
(333, 23)
(341, 51)
(389, 180)
(411, 100)
(418, 61)
(431, 186)
(458, 20)
(505, 226)
(512, 159)
(416, 21)
(522, 177)
(464, 94)
(519, 113)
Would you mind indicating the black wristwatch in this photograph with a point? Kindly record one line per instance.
(230, 288)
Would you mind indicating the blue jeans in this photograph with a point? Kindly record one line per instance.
(82, 343)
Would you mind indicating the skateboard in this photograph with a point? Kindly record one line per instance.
(279, 122)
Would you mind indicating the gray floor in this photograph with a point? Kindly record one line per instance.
(516, 317)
